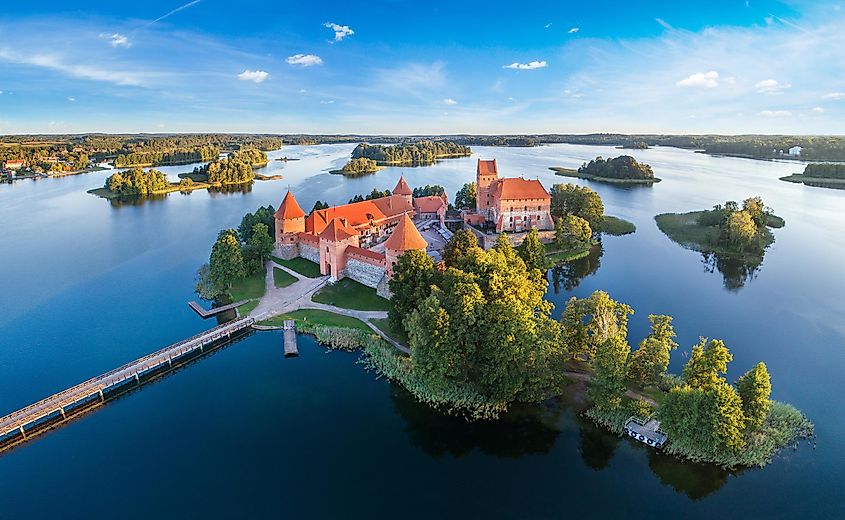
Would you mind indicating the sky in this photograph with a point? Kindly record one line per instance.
(423, 67)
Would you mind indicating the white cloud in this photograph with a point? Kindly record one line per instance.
(304, 60)
(414, 78)
(771, 86)
(117, 40)
(574, 30)
(526, 66)
(87, 71)
(663, 23)
(547, 25)
(256, 76)
(302, 91)
(449, 101)
(834, 96)
(340, 31)
(327, 101)
(818, 110)
(775, 113)
(700, 80)
(71, 99)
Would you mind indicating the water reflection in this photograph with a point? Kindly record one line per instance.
(736, 271)
(571, 273)
(597, 445)
(693, 480)
(221, 191)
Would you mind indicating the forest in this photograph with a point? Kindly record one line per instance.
(421, 153)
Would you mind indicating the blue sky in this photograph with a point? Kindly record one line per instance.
(394, 66)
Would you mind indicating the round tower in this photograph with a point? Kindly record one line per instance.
(405, 237)
(290, 220)
(403, 189)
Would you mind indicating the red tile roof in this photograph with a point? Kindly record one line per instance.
(289, 208)
(308, 237)
(514, 188)
(487, 167)
(359, 213)
(430, 204)
(402, 187)
(337, 230)
(405, 237)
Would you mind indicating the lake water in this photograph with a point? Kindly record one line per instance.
(88, 285)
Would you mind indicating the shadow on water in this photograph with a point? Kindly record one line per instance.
(693, 480)
(735, 271)
(221, 191)
(571, 273)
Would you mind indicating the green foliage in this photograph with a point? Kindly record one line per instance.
(234, 169)
(250, 156)
(466, 196)
(605, 318)
(571, 199)
(318, 205)
(825, 171)
(429, 190)
(137, 183)
(410, 284)
(205, 287)
(532, 251)
(754, 389)
(346, 293)
(166, 157)
(375, 194)
(616, 226)
(462, 245)
(263, 215)
(257, 250)
(707, 361)
(649, 362)
(572, 232)
(416, 153)
(607, 386)
(226, 264)
(622, 167)
(359, 165)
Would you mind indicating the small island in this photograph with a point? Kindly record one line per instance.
(635, 145)
(358, 166)
(619, 170)
(820, 175)
(420, 153)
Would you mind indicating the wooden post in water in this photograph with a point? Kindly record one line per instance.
(290, 339)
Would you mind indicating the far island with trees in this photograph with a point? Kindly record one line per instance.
(820, 175)
(421, 153)
(618, 170)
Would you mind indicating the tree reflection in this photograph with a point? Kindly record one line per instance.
(597, 445)
(571, 273)
(736, 271)
(693, 480)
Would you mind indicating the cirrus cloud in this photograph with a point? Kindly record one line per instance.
(304, 60)
(256, 76)
(531, 65)
(774, 113)
(834, 96)
(340, 31)
(449, 101)
(700, 80)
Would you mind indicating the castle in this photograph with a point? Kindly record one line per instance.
(511, 204)
(347, 241)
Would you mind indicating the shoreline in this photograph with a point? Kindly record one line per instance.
(573, 173)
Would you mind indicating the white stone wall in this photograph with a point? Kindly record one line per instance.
(287, 251)
(309, 252)
(363, 272)
(382, 289)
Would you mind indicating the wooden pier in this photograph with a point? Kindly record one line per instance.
(28, 422)
(213, 312)
(290, 339)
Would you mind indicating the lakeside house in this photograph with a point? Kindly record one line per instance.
(15, 164)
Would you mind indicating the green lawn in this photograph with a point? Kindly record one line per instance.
(246, 308)
(300, 265)
(282, 278)
(384, 325)
(349, 294)
(555, 255)
(249, 288)
(616, 226)
(318, 317)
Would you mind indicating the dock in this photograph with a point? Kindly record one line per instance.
(646, 431)
(213, 312)
(61, 407)
(290, 339)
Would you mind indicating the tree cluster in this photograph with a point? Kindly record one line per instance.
(740, 228)
(622, 167)
(410, 153)
(359, 165)
(429, 190)
(375, 194)
(467, 196)
(162, 157)
(825, 171)
(137, 182)
(571, 199)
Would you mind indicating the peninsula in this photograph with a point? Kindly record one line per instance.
(619, 170)
(820, 175)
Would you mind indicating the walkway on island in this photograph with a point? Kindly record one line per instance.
(296, 296)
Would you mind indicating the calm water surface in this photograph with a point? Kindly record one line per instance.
(88, 285)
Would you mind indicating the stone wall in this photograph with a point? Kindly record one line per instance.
(309, 252)
(382, 289)
(364, 272)
(287, 251)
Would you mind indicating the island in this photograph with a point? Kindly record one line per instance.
(618, 170)
(731, 238)
(820, 175)
(358, 166)
(420, 153)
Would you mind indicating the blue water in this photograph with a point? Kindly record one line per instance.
(87, 285)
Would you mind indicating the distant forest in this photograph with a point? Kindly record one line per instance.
(422, 152)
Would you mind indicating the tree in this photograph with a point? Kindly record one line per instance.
(570, 199)
(755, 387)
(204, 287)
(226, 264)
(410, 284)
(264, 215)
(532, 251)
(462, 243)
(650, 361)
(261, 240)
(572, 232)
(607, 385)
(757, 210)
(710, 420)
(607, 318)
(730, 420)
(741, 229)
(466, 196)
(707, 361)
(429, 190)
(320, 205)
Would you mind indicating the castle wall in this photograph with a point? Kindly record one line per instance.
(287, 251)
(367, 273)
(309, 252)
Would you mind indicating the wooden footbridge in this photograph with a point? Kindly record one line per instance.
(215, 311)
(22, 425)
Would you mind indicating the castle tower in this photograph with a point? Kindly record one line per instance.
(404, 238)
(290, 220)
(486, 174)
(333, 243)
(403, 189)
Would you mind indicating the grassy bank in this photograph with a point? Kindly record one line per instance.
(306, 319)
(686, 230)
(570, 172)
(396, 335)
(349, 294)
(173, 187)
(300, 265)
(816, 182)
(616, 226)
(282, 278)
(555, 255)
